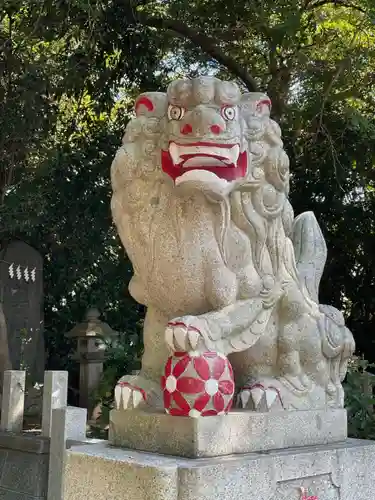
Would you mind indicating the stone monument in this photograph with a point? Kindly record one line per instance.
(4, 348)
(21, 296)
(200, 201)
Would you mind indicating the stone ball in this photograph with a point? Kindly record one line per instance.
(198, 384)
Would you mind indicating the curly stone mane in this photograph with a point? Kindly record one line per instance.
(200, 202)
(258, 206)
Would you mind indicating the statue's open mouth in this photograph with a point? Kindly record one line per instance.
(224, 160)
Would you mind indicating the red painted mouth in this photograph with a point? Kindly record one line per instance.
(223, 160)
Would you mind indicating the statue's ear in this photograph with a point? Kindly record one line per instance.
(256, 102)
(151, 104)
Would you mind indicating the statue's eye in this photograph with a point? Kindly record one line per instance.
(175, 112)
(228, 113)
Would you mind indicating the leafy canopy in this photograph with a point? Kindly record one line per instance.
(69, 71)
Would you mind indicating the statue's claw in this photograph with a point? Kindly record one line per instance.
(137, 392)
(128, 396)
(258, 397)
(181, 336)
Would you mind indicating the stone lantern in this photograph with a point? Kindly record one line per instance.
(91, 336)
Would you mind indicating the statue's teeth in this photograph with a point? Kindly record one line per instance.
(234, 153)
(206, 154)
(174, 152)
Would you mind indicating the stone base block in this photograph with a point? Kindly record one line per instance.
(76, 419)
(342, 471)
(237, 432)
(23, 466)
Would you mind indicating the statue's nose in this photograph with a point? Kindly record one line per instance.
(203, 121)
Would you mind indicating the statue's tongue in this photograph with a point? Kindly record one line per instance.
(204, 181)
(198, 175)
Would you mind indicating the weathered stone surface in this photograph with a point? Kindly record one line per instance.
(23, 473)
(76, 423)
(24, 463)
(98, 471)
(237, 432)
(22, 299)
(13, 401)
(5, 363)
(200, 201)
(24, 442)
(342, 471)
(6, 494)
(57, 454)
(23, 467)
(55, 395)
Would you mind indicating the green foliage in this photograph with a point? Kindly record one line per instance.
(69, 71)
(123, 356)
(61, 124)
(359, 400)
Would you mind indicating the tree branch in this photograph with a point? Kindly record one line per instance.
(336, 3)
(340, 68)
(204, 42)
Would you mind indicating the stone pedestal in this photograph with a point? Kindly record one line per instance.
(24, 466)
(237, 432)
(341, 471)
(243, 455)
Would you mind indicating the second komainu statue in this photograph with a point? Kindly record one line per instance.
(200, 201)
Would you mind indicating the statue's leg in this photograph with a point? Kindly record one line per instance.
(231, 329)
(155, 349)
(289, 362)
(296, 378)
(143, 390)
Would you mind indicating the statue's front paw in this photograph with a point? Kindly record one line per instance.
(260, 397)
(136, 392)
(128, 396)
(182, 335)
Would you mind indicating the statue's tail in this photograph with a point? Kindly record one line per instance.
(310, 252)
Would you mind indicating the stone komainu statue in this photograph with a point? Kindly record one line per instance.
(200, 201)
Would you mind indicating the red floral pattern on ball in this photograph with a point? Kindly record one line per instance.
(197, 384)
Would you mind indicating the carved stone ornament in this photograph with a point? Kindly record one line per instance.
(197, 384)
(200, 201)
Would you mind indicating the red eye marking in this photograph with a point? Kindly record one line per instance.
(187, 129)
(216, 129)
(267, 102)
(144, 101)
